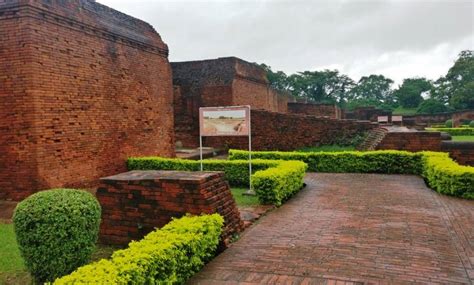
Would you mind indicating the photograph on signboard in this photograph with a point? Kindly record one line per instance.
(232, 121)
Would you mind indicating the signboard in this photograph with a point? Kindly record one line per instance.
(397, 118)
(224, 121)
(381, 119)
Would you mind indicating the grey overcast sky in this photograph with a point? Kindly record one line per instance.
(398, 39)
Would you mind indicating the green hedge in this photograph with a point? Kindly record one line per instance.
(56, 231)
(454, 131)
(446, 176)
(169, 255)
(384, 161)
(273, 181)
(440, 172)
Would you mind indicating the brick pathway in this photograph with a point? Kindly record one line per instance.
(354, 228)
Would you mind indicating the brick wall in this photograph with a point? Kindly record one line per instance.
(136, 202)
(459, 117)
(462, 152)
(411, 141)
(82, 87)
(276, 131)
(319, 110)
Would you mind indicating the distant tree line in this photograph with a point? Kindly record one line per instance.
(454, 91)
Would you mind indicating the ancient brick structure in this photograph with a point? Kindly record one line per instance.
(366, 113)
(459, 117)
(411, 141)
(314, 109)
(219, 82)
(277, 131)
(136, 202)
(82, 87)
(462, 152)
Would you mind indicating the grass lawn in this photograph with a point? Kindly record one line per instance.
(12, 267)
(463, 138)
(327, 148)
(404, 111)
(243, 200)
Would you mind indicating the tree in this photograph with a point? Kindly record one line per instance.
(409, 94)
(321, 86)
(431, 106)
(373, 89)
(278, 80)
(456, 87)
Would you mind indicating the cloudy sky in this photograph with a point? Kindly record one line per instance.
(396, 38)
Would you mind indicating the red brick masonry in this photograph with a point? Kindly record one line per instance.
(136, 202)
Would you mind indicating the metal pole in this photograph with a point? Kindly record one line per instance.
(250, 153)
(200, 149)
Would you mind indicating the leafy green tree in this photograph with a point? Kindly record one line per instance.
(373, 89)
(278, 80)
(431, 106)
(409, 94)
(321, 86)
(455, 87)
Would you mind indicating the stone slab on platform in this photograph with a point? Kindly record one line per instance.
(134, 203)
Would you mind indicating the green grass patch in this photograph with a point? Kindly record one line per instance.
(404, 111)
(326, 148)
(12, 267)
(243, 200)
(463, 138)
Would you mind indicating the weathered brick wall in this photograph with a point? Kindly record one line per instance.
(82, 87)
(411, 141)
(366, 113)
(276, 131)
(313, 109)
(458, 117)
(136, 202)
(462, 152)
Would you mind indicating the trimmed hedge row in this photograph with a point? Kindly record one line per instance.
(440, 172)
(384, 161)
(454, 131)
(169, 255)
(446, 176)
(273, 181)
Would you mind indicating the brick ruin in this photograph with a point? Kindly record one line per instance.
(232, 81)
(82, 87)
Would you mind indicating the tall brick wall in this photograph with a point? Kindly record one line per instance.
(82, 87)
(313, 109)
(459, 117)
(276, 131)
(219, 82)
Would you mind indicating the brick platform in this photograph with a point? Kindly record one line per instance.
(135, 202)
(354, 228)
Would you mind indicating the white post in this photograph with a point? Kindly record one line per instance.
(200, 149)
(250, 153)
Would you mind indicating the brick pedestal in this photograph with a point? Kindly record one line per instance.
(134, 203)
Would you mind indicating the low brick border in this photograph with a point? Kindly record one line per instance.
(135, 202)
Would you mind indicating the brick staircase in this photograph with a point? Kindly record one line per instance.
(373, 138)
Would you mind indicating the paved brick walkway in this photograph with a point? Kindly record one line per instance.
(354, 228)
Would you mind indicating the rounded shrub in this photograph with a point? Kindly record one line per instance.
(471, 124)
(449, 124)
(56, 231)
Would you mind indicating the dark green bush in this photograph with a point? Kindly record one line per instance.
(448, 124)
(268, 185)
(471, 124)
(169, 255)
(383, 161)
(56, 231)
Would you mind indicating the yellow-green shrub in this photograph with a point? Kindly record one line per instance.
(383, 161)
(268, 185)
(169, 255)
(454, 131)
(440, 172)
(446, 176)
